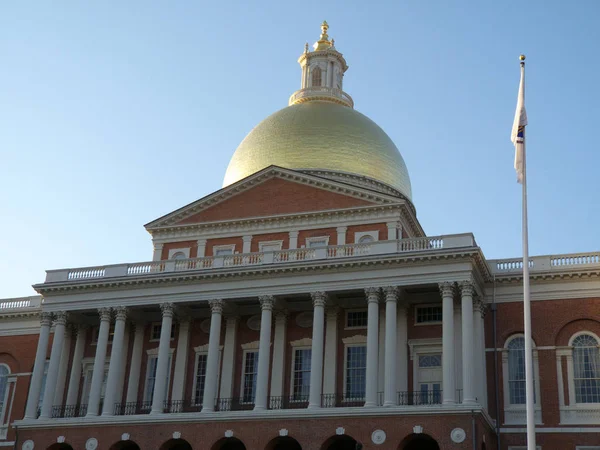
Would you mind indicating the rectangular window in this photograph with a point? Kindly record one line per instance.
(429, 314)
(356, 319)
(156, 329)
(312, 242)
(151, 378)
(356, 372)
(301, 375)
(223, 250)
(200, 378)
(250, 373)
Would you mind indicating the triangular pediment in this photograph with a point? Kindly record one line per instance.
(273, 191)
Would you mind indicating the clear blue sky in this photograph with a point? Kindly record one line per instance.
(114, 113)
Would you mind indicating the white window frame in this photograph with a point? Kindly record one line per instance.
(346, 327)
(159, 324)
(571, 371)
(198, 351)
(218, 248)
(515, 414)
(250, 349)
(174, 251)
(422, 347)
(354, 341)
(263, 244)
(317, 239)
(5, 405)
(96, 333)
(302, 344)
(87, 370)
(358, 235)
(423, 306)
(151, 354)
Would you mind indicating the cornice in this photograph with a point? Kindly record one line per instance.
(166, 278)
(517, 278)
(258, 178)
(265, 224)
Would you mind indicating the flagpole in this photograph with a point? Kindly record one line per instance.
(529, 392)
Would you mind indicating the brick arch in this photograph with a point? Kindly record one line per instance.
(176, 444)
(61, 446)
(125, 445)
(419, 441)
(572, 326)
(283, 442)
(517, 329)
(231, 443)
(10, 361)
(340, 442)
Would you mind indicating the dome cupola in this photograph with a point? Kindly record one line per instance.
(321, 132)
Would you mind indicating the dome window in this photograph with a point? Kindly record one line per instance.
(316, 76)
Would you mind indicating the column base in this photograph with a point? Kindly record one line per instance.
(207, 410)
(469, 401)
(106, 414)
(259, 408)
(389, 404)
(370, 405)
(314, 406)
(449, 402)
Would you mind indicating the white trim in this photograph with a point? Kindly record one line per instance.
(184, 250)
(426, 305)
(251, 345)
(358, 235)
(203, 350)
(553, 430)
(159, 324)
(346, 327)
(419, 347)
(217, 248)
(304, 342)
(316, 239)
(354, 341)
(580, 333)
(263, 244)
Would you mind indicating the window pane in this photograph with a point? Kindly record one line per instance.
(356, 319)
(301, 388)
(356, 371)
(3, 383)
(586, 367)
(427, 314)
(200, 379)
(250, 372)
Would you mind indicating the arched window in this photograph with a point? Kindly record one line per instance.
(179, 255)
(586, 369)
(4, 372)
(516, 371)
(316, 76)
(366, 239)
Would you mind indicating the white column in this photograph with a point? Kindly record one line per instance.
(38, 368)
(478, 356)
(162, 365)
(75, 377)
(201, 248)
(293, 239)
(264, 352)
(124, 358)
(402, 348)
(392, 230)
(466, 289)
(449, 385)
(181, 360)
(391, 336)
(61, 381)
(136, 364)
(458, 350)
(341, 235)
(279, 345)
(372, 344)
(60, 321)
(316, 360)
(381, 356)
(114, 368)
(212, 361)
(99, 360)
(331, 343)
(158, 247)
(247, 244)
(229, 348)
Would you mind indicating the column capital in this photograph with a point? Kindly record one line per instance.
(479, 307)
(372, 294)
(446, 289)
(216, 306)
(294, 233)
(201, 241)
(105, 314)
(332, 312)
(266, 302)
(319, 298)
(60, 317)
(247, 238)
(46, 319)
(466, 288)
(120, 313)
(157, 245)
(341, 229)
(393, 224)
(391, 293)
(167, 309)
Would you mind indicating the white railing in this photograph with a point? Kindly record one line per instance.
(547, 263)
(321, 91)
(264, 258)
(20, 303)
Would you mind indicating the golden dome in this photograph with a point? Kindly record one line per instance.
(321, 135)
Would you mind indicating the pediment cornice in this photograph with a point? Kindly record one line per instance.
(172, 219)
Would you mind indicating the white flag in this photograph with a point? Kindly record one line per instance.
(518, 130)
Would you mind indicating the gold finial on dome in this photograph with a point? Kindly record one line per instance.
(323, 43)
(522, 58)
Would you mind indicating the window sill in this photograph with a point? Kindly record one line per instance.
(517, 415)
(580, 414)
(422, 324)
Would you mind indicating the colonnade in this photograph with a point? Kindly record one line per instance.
(324, 347)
